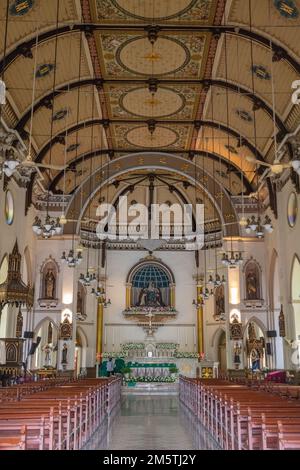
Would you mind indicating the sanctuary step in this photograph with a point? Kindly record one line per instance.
(151, 389)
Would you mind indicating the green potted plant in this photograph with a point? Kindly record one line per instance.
(126, 372)
(173, 371)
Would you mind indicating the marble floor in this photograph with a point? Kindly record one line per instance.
(147, 422)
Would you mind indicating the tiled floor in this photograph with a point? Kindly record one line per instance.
(151, 423)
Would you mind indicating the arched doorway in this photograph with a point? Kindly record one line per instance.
(80, 352)
(222, 351)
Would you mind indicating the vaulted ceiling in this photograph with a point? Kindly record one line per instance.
(207, 80)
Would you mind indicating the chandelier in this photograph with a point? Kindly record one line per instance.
(10, 164)
(217, 281)
(255, 225)
(100, 294)
(87, 279)
(235, 259)
(47, 229)
(71, 260)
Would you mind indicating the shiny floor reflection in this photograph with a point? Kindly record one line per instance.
(151, 423)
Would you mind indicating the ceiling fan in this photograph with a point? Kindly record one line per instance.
(12, 162)
(276, 167)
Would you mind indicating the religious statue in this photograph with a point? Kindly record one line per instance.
(252, 283)
(64, 354)
(150, 296)
(50, 285)
(219, 303)
(47, 351)
(19, 326)
(251, 331)
(237, 353)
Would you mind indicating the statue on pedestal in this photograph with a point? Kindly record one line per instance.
(47, 351)
(64, 359)
(50, 285)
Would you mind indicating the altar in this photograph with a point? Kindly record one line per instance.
(151, 369)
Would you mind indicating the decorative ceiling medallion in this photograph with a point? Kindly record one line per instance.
(292, 210)
(140, 102)
(261, 72)
(287, 8)
(151, 9)
(21, 7)
(231, 149)
(141, 137)
(72, 148)
(244, 115)
(60, 115)
(44, 70)
(9, 208)
(137, 56)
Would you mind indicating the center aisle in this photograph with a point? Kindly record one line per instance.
(151, 422)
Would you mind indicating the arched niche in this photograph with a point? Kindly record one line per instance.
(49, 283)
(252, 281)
(80, 351)
(150, 284)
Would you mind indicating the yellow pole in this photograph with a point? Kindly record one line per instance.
(99, 349)
(200, 321)
(128, 296)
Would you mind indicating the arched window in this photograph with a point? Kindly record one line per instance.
(147, 274)
(151, 285)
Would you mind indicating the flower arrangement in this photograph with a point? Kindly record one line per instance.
(167, 345)
(132, 346)
(186, 355)
(157, 379)
(114, 355)
(150, 309)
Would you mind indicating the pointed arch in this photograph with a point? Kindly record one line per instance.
(27, 268)
(83, 336)
(258, 323)
(272, 278)
(41, 322)
(295, 279)
(217, 335)
(4, 268)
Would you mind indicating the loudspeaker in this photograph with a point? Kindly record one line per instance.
(32, 349)
(269, 349)
(28, 334)
(34, 346)
(272, 334)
